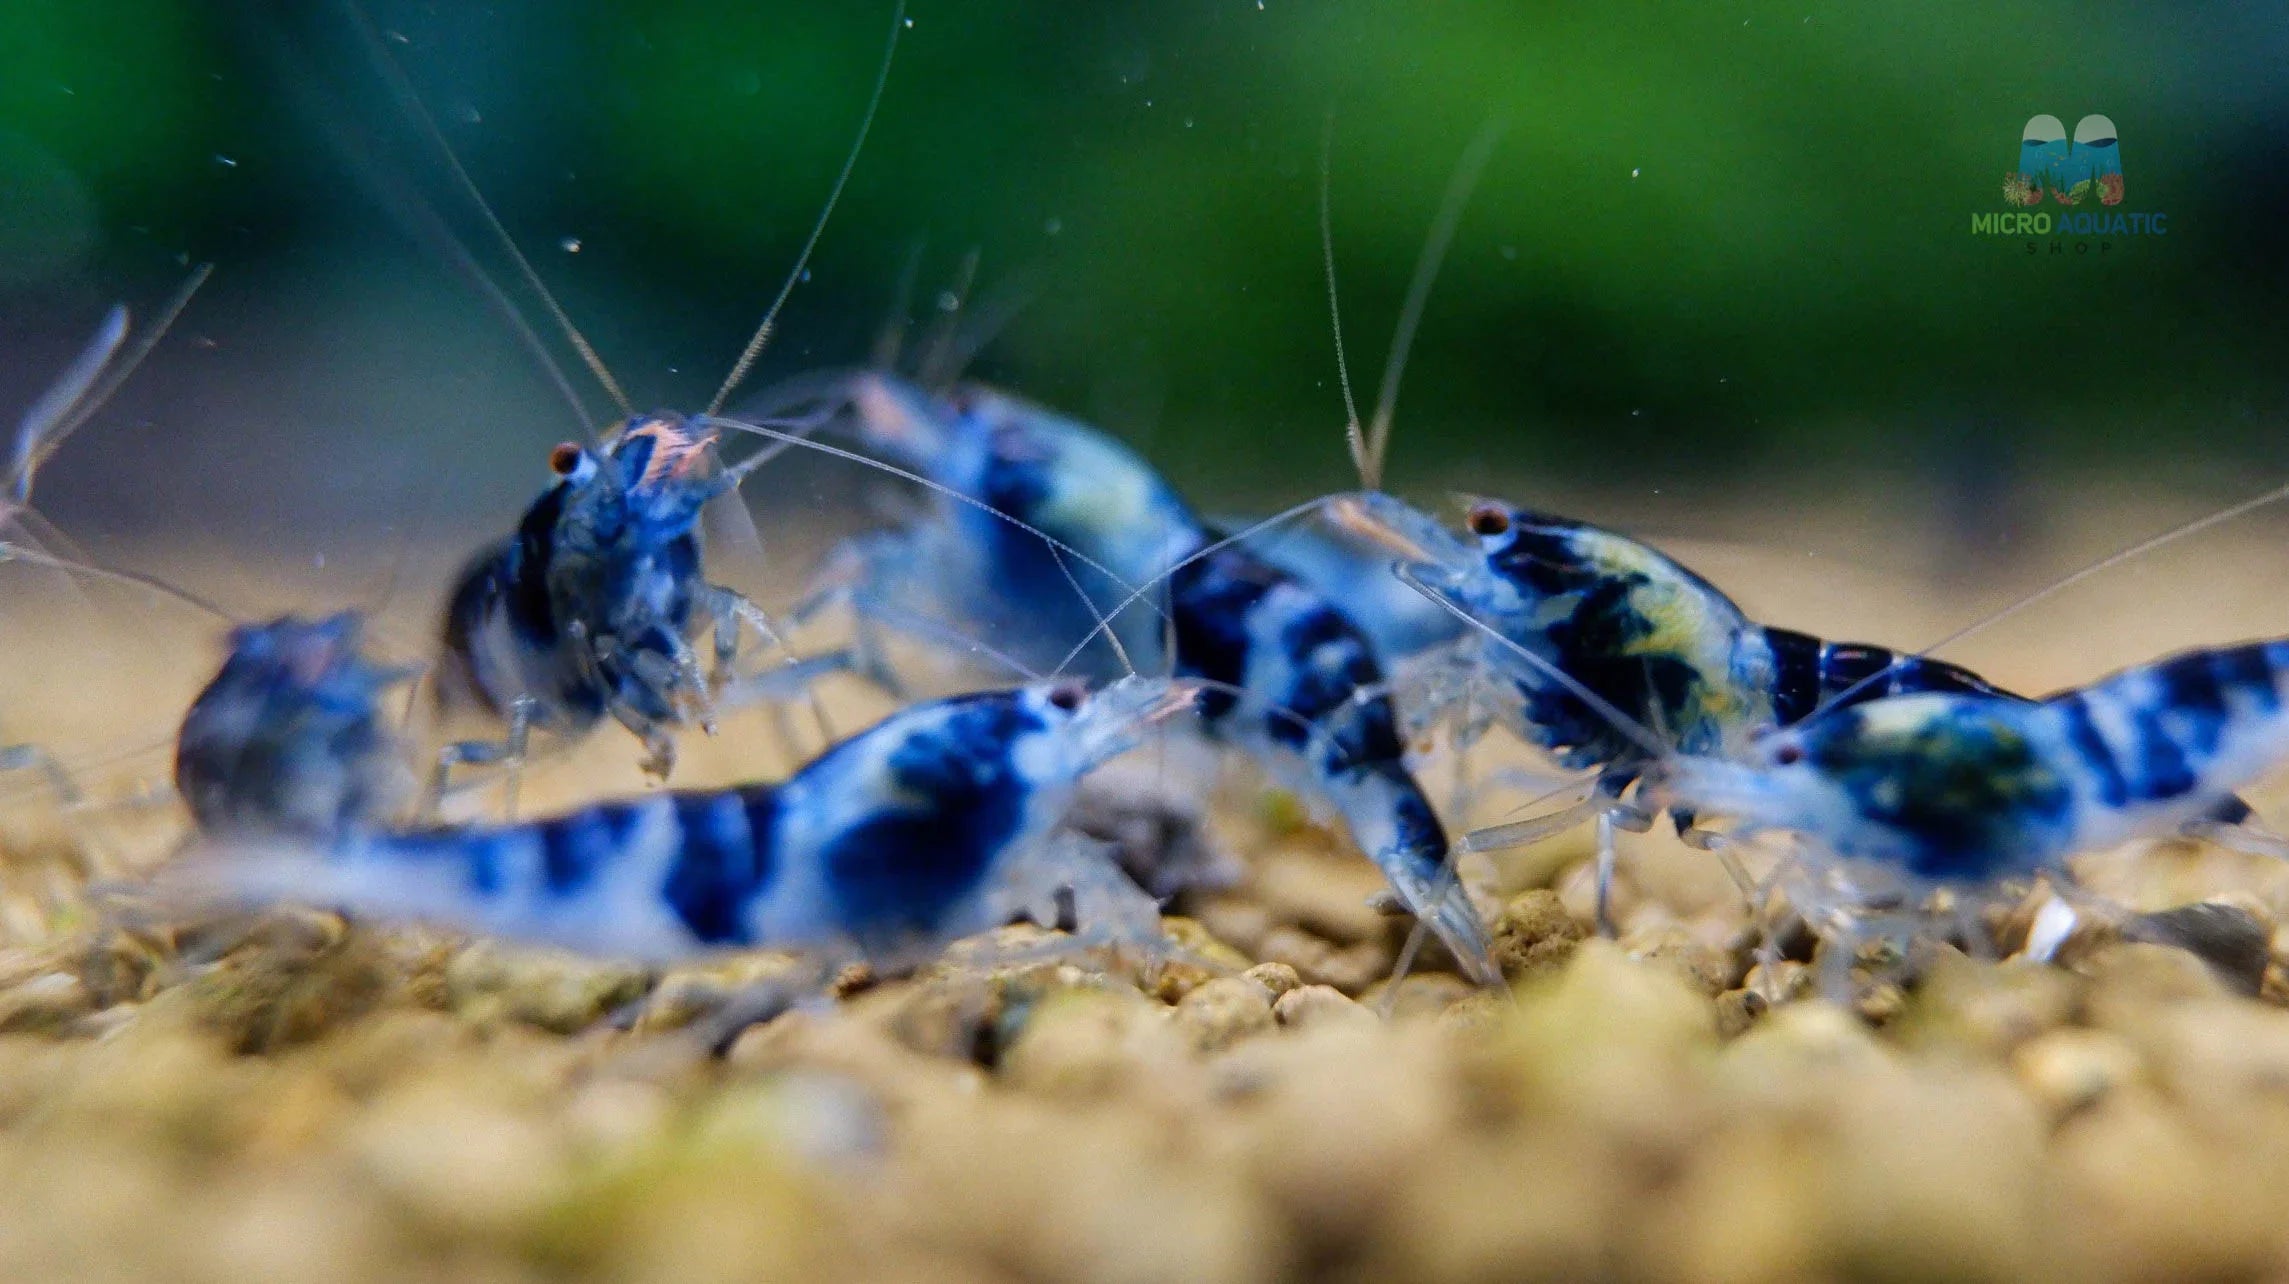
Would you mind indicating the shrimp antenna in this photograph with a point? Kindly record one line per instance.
(1371, 444)
(1009, 297)
(2055, 587)
(890, 341)
(1467, 171)
(118, 372)
(11, 551)
(942, 327)
(88, 384)
(1352, 433)
(762, 336)
(55, 405)
(402, 89)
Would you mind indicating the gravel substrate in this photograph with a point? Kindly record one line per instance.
(294, 1097)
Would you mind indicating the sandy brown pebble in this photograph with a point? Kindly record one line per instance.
(1460, 1216)
(124, 967)
(1223, 1012)
(551, 989)
(1602, 1041)
(2070, 1070)
(45, 1003)
(1706, 968)
(455, 1157)
(1096, 1044)
(1194, 936)
(1737, 1010)
(1933, 1172)
(1535, 934)
(1234, 919)
(1987, 1008)
(1393, 1089)
(1350, 968)
(2130, 984)
(1782, 981)
(1802, 1048)
(1312, 1005)
(2134, 1194)
(1279, 978)
(264, 997)
(948, 1014)
(1055, 1190)
(695, 991)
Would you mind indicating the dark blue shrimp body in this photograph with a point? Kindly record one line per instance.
(1293, 680)
(1292, 672)
(288, 738)
(931, 825)
(589, 609)
(1644, 634)
(1958, 788)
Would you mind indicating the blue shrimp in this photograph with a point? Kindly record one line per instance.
(1553, 610)
(590, 609)
(1047, 530)
(936, 823)
(1962, 790)
(288, 738)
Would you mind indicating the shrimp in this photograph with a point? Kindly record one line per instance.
(1046, 529)
(1961, 790)
(1553, 608)
(940, 821)
(591, 608)
(288, 737)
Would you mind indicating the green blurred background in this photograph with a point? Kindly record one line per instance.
(1724, 248)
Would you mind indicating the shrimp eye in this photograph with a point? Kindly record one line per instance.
(564, 459)
(1788, 755)
(1488, 519)
(1067, 697)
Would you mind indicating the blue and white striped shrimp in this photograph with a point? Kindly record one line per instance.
(288, 737)
(1045, 531)
(940, 821)
(1962, 790)
(1550, 608)
(590, 609)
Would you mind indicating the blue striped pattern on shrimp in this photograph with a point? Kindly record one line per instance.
(938, 822)
(1295, 682)
(1959, 788)
(1637, 629)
